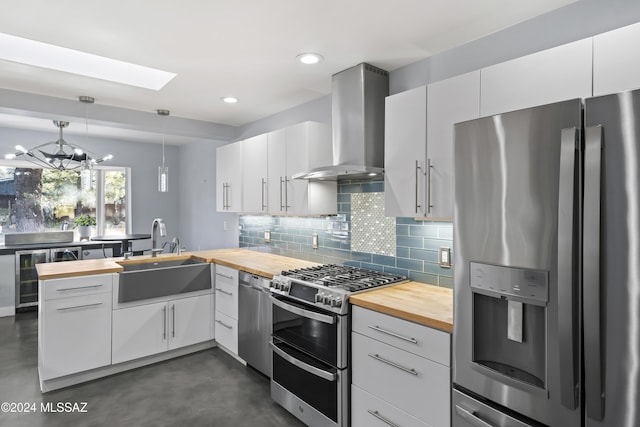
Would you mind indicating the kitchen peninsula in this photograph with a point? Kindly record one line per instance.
(66, 291)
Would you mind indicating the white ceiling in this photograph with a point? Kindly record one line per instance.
(244, 48)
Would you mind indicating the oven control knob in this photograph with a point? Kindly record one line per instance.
(336, 302)
(318, 297)
(285, 286)
(326, 299)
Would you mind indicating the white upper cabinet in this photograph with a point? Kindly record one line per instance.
(306, 145)
(277, 153)
(254, 174)
(448, 102)
(552, 75)
(405, 153)
(229, 177)
(419, 145)
(615, 67)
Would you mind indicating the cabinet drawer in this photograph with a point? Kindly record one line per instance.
(369, 411)
(409, 382)
(226, 297)
(75, 335)
(226, 275)
(226, 332)
(74, 286)
(413, 337)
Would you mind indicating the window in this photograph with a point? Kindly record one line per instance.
(33, 199)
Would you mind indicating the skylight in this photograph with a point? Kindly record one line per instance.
(30, 52)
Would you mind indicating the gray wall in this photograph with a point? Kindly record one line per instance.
(201, 227)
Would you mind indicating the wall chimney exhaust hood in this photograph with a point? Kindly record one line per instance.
(357, 105)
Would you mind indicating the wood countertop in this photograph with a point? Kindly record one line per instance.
(418, 302)
(260, 263)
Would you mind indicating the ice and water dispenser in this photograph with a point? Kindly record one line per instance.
(509, 321)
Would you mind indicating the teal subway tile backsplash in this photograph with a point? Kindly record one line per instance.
(417, 242)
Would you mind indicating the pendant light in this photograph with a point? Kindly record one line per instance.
(86, 172)
(163, 171)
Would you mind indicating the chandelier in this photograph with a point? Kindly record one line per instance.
(60, 154)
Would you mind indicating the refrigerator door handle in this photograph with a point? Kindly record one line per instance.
(567, 284)
(594, 397)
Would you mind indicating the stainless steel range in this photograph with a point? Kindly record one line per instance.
(310, 340)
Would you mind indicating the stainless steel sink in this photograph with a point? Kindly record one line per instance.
(159, 278)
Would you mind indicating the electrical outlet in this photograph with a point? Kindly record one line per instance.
(224, 225)
(444, 257)
(314, 241)
(267, 236)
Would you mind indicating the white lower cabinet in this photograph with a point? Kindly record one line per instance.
(409, 387)
(226, 331)
(226, 313)
(74, 331)
(149, 329)
(370, 411)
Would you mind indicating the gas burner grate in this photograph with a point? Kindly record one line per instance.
(351, 279)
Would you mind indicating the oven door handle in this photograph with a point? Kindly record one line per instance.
(329, 376)
(304, 313)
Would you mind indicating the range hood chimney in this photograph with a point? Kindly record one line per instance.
(357, 103)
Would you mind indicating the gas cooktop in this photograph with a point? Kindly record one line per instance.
(329, 285)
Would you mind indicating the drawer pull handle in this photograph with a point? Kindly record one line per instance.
(381, 418)
(224, 292)
(393, 334)
(471, 417)
(395, 365)
(224, 324)
(79, 306)
(224, 275)
(79, 287)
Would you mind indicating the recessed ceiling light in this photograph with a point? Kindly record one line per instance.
(38, 54)
(309, 58)
(230, 99)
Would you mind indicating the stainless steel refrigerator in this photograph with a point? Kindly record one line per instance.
(547, 266)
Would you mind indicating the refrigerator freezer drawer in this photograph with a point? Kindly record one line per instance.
(470, 412)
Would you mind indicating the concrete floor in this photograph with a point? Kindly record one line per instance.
(208, 388)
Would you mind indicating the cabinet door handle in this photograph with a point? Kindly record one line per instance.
(264, 207)
(173, 320)
(381, 418)
(395, 365)
(281, 204)
(418, 169)
(286, 193)
(428, 171)
(225, 276)
(78, 288)
(224, 292)
(224, 324)
(79, 306)
(164, 322)
(393, 334)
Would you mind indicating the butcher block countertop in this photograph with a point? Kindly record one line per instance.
(418, 302)
(260, 263)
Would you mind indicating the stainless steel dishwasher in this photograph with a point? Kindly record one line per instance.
(254, 322)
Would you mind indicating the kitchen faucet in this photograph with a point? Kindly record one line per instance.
(157, 223)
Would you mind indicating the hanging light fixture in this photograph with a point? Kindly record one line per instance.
(62, 155)
(163, 171)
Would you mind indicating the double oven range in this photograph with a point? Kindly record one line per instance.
(311, 336)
